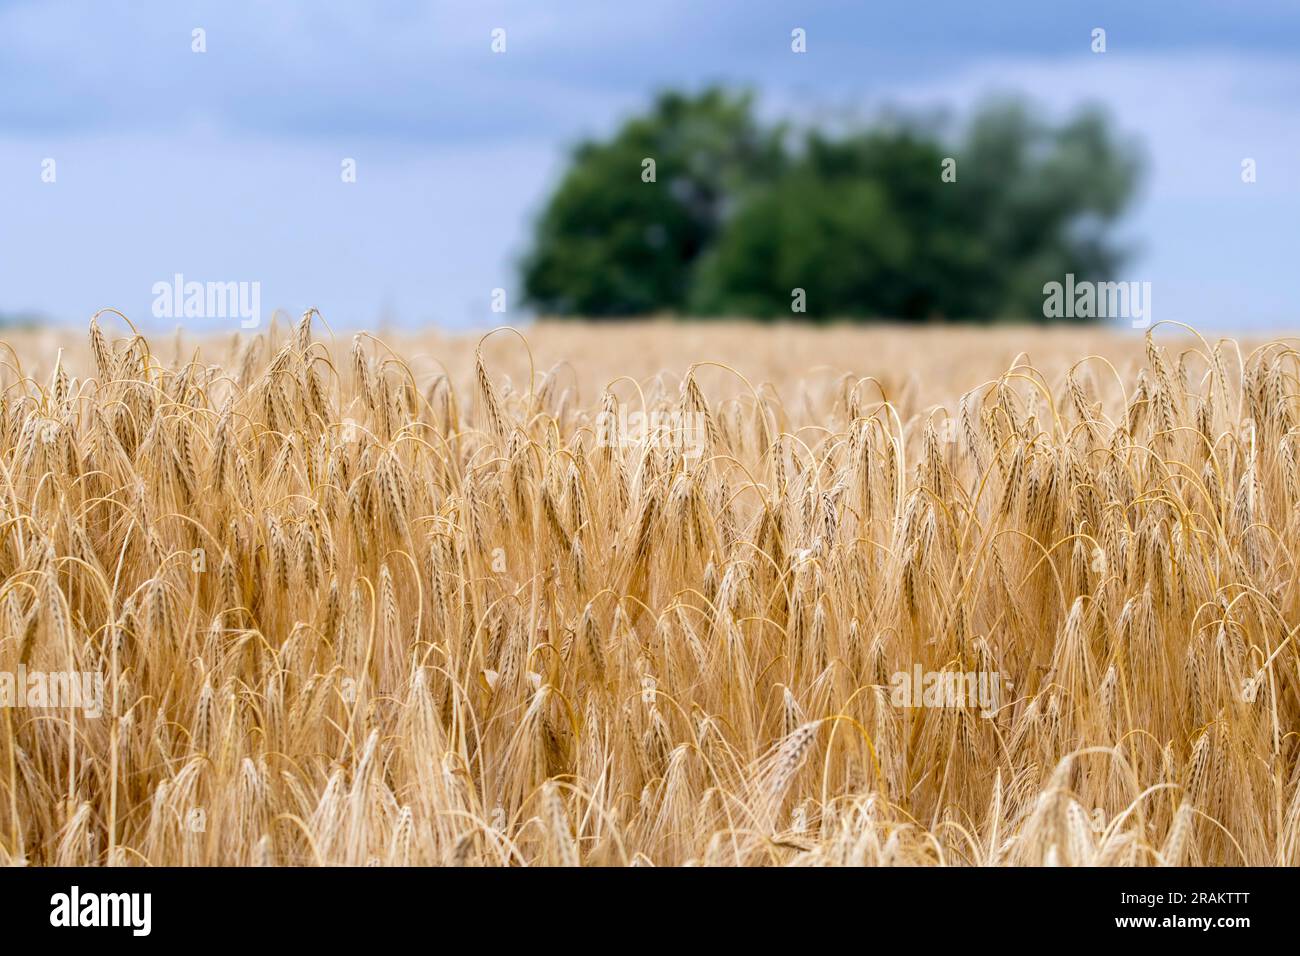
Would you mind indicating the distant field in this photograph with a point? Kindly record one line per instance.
(714, 594)
(931, 364)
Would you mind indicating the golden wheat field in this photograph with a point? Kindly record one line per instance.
(436, 600)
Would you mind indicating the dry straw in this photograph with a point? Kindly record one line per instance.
(348, 613)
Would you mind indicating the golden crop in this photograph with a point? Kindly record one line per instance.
(352, 605)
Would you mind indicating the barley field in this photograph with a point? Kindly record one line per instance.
(420, 599)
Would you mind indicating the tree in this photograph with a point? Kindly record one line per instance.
(610, 243)
(841, 224)
(864, 222)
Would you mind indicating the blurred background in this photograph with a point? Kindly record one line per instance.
(464, 164)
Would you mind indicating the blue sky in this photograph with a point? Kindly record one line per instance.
(225, 166)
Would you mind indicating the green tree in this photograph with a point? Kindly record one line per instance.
(863, 222)
(609, 243)
(868, 227)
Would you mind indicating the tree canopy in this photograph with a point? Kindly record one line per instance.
(699, 208)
